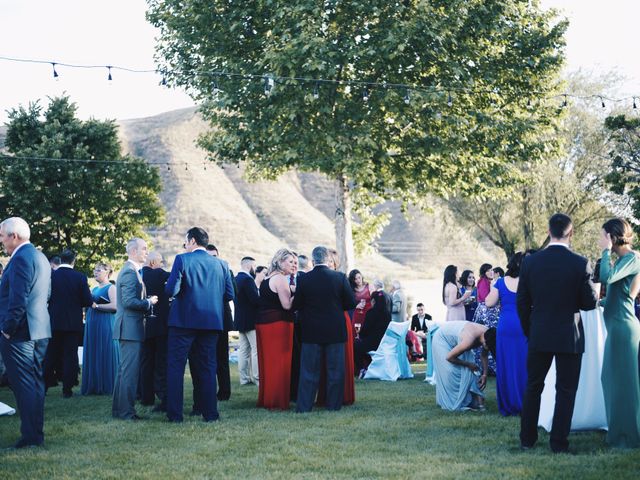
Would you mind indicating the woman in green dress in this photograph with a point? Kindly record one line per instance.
(620, 380)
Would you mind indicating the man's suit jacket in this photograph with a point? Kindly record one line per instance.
(321, 298)
(200, 284)
(24, 291)
(131, 305)
(555, 283)
(247, 303)
(155, 280)
(69, 295)
(415, 323)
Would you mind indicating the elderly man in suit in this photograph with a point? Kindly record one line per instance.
(200, 284)
(247, 304)
(153, 368)
(321, 298)
(70, 294)
(132, 305)
(555, 283)
(25, 326)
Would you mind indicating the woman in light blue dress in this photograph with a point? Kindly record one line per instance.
(457, 385)
(101, 355)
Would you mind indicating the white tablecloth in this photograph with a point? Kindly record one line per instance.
(589, 412)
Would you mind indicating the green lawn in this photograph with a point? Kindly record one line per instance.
(395, 430)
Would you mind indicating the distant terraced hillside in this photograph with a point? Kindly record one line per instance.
(257, 218)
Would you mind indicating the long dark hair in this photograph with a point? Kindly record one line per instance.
(513, 267)
(352, 278)
(449, 277)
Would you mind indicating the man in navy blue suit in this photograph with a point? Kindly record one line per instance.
(69, 295)
(200, 284)
(25, 326)
(321, 298)
(247, 305)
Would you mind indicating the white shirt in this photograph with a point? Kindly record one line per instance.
(65, 265)
(554, 244)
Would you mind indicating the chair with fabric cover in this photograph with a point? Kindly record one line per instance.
(389, 362)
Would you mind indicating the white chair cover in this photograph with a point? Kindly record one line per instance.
(389, 362)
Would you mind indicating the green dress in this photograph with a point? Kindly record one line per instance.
(620, 380)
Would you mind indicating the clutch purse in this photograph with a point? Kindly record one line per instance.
(102, 300)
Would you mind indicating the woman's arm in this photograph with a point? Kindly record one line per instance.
(284, 292)
(464, 345)
(451, 292)
(611, 274)
(492, 299)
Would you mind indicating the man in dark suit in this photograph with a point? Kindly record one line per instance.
(153, 366)
(420, 324)
(321, 298)
(223, 373)
(200, 284)
(70, 294)
(25, 326)
(132, 305)
(246, 312)
(555, 284)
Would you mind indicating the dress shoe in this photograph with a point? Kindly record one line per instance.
(22, 443)
(137, 417)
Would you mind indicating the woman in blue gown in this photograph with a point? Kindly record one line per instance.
(101, 355)
(511, 344)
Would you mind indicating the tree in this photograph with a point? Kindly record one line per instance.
(92, 207)
(470, 116)
(624, 177)
(573, 182)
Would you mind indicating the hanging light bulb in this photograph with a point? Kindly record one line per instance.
(634, 103)
(164, 81)
(528, 102)
(109, 77)
(316, 91)
(269, 83)
(602, 102)
(365, 94)
(564, 101)
(407, 97)
(55, 74)
(449, 100)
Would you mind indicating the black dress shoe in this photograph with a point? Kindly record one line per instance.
(137, 417)
(22, 443)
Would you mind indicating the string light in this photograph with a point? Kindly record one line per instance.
(365, 94)
(634, 103)
(407, 97)
(270, 81)
(316, 91)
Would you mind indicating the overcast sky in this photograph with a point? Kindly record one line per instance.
(601, 38)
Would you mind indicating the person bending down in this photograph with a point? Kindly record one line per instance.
(457, 387)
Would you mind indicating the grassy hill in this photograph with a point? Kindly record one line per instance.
(257, 217)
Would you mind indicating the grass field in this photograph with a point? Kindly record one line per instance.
(395, 430)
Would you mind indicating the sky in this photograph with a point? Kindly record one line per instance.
(601, 38)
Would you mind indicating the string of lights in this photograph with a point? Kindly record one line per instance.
(270, 81)
(106, 163)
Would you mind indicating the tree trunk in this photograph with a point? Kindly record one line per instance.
(344, 225)
(527, 222)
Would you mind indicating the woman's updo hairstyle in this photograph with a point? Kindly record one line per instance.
(278, 260)
(620, 231)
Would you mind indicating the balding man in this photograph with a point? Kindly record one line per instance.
(25, 326)
(132, 304)
(153, 369)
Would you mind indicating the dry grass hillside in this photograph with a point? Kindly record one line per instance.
(258, 217)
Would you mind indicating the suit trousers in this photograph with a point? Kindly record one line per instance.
(567, 377)
(310, 366)
(126, 385)
(24, 364)
(61, 361)
(248, 358)
(153, 371)
(222, 369)
(200, 347)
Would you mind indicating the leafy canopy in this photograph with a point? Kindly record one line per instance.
(91, 207)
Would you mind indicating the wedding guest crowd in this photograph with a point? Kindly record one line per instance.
(307, 330)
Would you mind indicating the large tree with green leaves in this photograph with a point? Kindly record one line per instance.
(624, 177)
(476, 70)
(91, 206)
(573, 180)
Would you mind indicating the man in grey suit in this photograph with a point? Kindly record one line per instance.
(129, 329)
(25, 326)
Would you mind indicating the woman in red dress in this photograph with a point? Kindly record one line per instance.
(274, 333)
(363, 297)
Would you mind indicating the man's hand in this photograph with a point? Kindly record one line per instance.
(153, 299)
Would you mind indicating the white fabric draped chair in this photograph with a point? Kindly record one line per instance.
(389, 362)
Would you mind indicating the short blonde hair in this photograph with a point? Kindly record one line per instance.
(334, 257)
(104, 266)
(278, 259)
